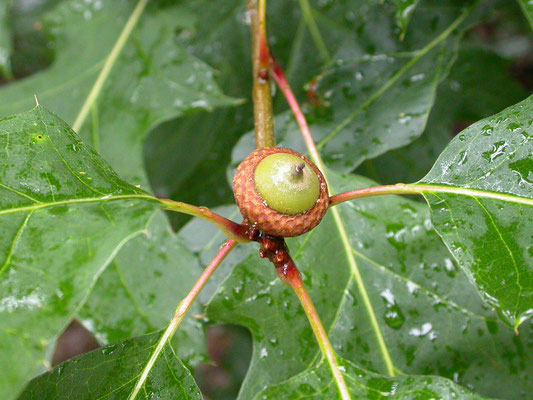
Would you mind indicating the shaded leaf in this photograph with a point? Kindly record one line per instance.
(527, 8)
(478, 86)
(64, 216)
(404, 11)
(154, 79)
(489, 228)
(377, 93)
(112, 372)
(225, 44)
(5, 40)
(316, 383)
(430, 316)
(146, 281)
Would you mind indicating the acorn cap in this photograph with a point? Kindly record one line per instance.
(264, 216)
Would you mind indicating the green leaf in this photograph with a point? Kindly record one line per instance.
(225, 45)
(477, 87)
(153, 80)
(404, 11)
(64, 215)
(5, 40)
(527, 9)
(485, 214)
(316, 383)
(377, 93)
(146, 281)
(111, 373)
(428, 314)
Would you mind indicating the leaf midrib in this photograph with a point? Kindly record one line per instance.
(79, 201)
(377, 94)
(474, 193)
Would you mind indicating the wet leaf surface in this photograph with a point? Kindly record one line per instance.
(64, 216)
(316, 383)
(376, 93)
(430, 316)
(478, 86)
(154, 79)
(112, 372)
(489, 229)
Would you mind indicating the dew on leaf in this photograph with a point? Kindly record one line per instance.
(393, 315)
(425, 330)
(514, 127)
(487, 130)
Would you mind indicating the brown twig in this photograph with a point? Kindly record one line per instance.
(262, 96)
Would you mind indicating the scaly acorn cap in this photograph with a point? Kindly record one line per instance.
(280, 191)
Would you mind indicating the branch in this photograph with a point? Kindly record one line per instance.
(262, 95)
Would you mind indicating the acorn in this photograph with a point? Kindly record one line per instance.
(280, 191)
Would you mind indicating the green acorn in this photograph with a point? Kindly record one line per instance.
(280, 191)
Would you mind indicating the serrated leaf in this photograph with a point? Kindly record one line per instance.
(430, 317)
(317, 383)
(64, 215)
(153, 79)
(486, 218)
(111, 373)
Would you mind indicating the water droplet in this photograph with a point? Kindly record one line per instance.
(487, 130)
(393, 314)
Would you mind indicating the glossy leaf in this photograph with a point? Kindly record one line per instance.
(486, 218)
(64, 215)
(377, 93)
(430, 316)
(111, 373)
(225, 45)
(316, 383)
(146, 281)
(477, 87)
(153, 79)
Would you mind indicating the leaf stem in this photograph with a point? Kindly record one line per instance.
(275, 249)
(415, 188)
(321, 336)
(281, 80)
(399, 188)
(279, 76)
(108, 65)
(181, 312)
(262, 95)
(233, 230)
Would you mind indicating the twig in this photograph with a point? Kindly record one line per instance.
(262, 95)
